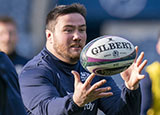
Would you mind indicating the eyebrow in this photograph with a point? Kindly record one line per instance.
(84, 25)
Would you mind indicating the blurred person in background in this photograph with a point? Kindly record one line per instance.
(10, 98)
(150, 87)
(8, 41)
(55, 83)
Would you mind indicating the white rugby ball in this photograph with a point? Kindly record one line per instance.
(107, 55)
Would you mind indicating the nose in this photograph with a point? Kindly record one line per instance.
(77, 36)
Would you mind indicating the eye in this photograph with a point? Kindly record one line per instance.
(82, 30)
(68, 30)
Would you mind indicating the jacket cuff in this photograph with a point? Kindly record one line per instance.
(74, 108)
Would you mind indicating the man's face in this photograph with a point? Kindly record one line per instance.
(8, 37)
(69, 37)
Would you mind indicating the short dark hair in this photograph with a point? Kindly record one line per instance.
(7, 19)
(62, 10)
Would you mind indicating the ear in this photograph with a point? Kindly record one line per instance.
(49, 35)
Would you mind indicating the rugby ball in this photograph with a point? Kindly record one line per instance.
(107, 55)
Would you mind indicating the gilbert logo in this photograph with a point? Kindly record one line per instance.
(111, 46)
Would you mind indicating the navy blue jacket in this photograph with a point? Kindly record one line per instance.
(18, 61)
(47, 86)
(146, 88)
(10, 98)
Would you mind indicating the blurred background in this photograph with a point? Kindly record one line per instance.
(136, 20)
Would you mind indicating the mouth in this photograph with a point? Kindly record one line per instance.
(76, 46)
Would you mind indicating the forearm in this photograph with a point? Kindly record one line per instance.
(132, 100)
(65, 105)
(56, 106)
(122, 102)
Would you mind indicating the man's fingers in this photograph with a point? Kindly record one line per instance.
(96, 85)
(76, 77)
(101, 90)
(136, 48)
(142, 65)
(141, 77)
(140, 58)
(89, 80)
(101, 95)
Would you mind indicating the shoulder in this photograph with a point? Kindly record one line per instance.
(7, 70)
(36, 68)
(4, 58)
(18, 59)
(6, 65)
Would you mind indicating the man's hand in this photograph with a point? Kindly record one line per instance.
(85, 93)
(132, 75)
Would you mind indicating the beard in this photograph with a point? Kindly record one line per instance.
(64, 52)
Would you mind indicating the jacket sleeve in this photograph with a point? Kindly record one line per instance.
(146, 86)
(10, 98)
(41, 97)
(123, 102)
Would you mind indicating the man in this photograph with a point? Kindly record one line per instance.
(54, 82)
(151, 87)
(8, 40)
(10, 98)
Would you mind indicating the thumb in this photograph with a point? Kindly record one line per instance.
(76, 77)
